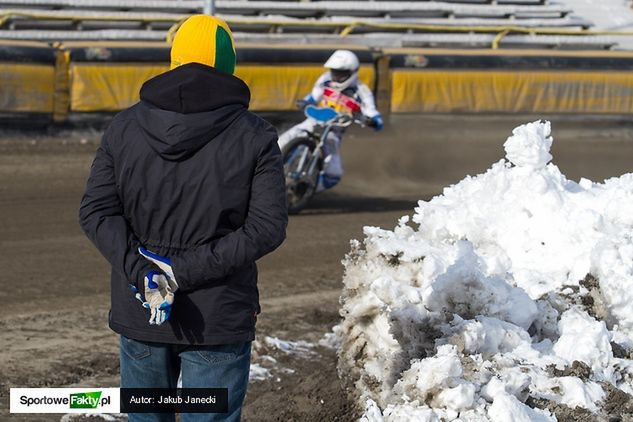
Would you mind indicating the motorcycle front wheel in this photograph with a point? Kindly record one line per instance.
(300, 186)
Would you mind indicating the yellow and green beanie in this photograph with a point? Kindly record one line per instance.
(204, 39)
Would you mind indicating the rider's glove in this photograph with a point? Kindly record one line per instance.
(136, 293)
(376, 122)
(159, 297)
(302, 103)
(164, 263)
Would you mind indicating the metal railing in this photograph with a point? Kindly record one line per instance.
(343, 28)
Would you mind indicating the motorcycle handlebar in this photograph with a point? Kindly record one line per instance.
(345, 120)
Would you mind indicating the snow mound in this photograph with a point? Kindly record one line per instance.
(529, 145)
(512, 288)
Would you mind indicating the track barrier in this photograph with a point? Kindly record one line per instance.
(69, 78)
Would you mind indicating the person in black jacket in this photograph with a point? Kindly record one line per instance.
(185, 193)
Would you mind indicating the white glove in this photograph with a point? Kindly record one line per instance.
(163, 262)
(159, 297)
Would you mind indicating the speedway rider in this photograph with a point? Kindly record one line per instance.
(340, 89)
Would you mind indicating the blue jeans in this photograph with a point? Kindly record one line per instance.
(157, 365)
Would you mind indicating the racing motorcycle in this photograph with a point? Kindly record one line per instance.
(304, 155)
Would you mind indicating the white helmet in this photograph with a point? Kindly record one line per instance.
(343, 65)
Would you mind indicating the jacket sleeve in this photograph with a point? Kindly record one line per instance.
(101, 217)
(264, 228)
(368, 104)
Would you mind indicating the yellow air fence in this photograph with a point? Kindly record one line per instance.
(27, 78)
(105, 77)
(447, 81)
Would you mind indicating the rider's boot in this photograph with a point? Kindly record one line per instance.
(326, 181)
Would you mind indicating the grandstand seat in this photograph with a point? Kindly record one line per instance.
(150, 19)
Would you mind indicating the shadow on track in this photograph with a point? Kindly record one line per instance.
(332, 203)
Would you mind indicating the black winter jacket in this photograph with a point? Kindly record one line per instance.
(189, 173)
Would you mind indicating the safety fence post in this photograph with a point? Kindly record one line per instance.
(383, 84)
(61, 97)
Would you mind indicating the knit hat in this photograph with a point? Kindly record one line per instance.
(204, 39)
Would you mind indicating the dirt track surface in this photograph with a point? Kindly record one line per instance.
(54, 294)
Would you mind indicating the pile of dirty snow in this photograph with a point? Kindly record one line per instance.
(508, 297)
(265, 366)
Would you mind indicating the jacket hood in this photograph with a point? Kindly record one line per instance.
(185, 108)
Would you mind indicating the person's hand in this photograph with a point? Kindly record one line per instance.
(302, 103)
(137, 294)
(164, 263)
(376, 122)
(159, 297)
